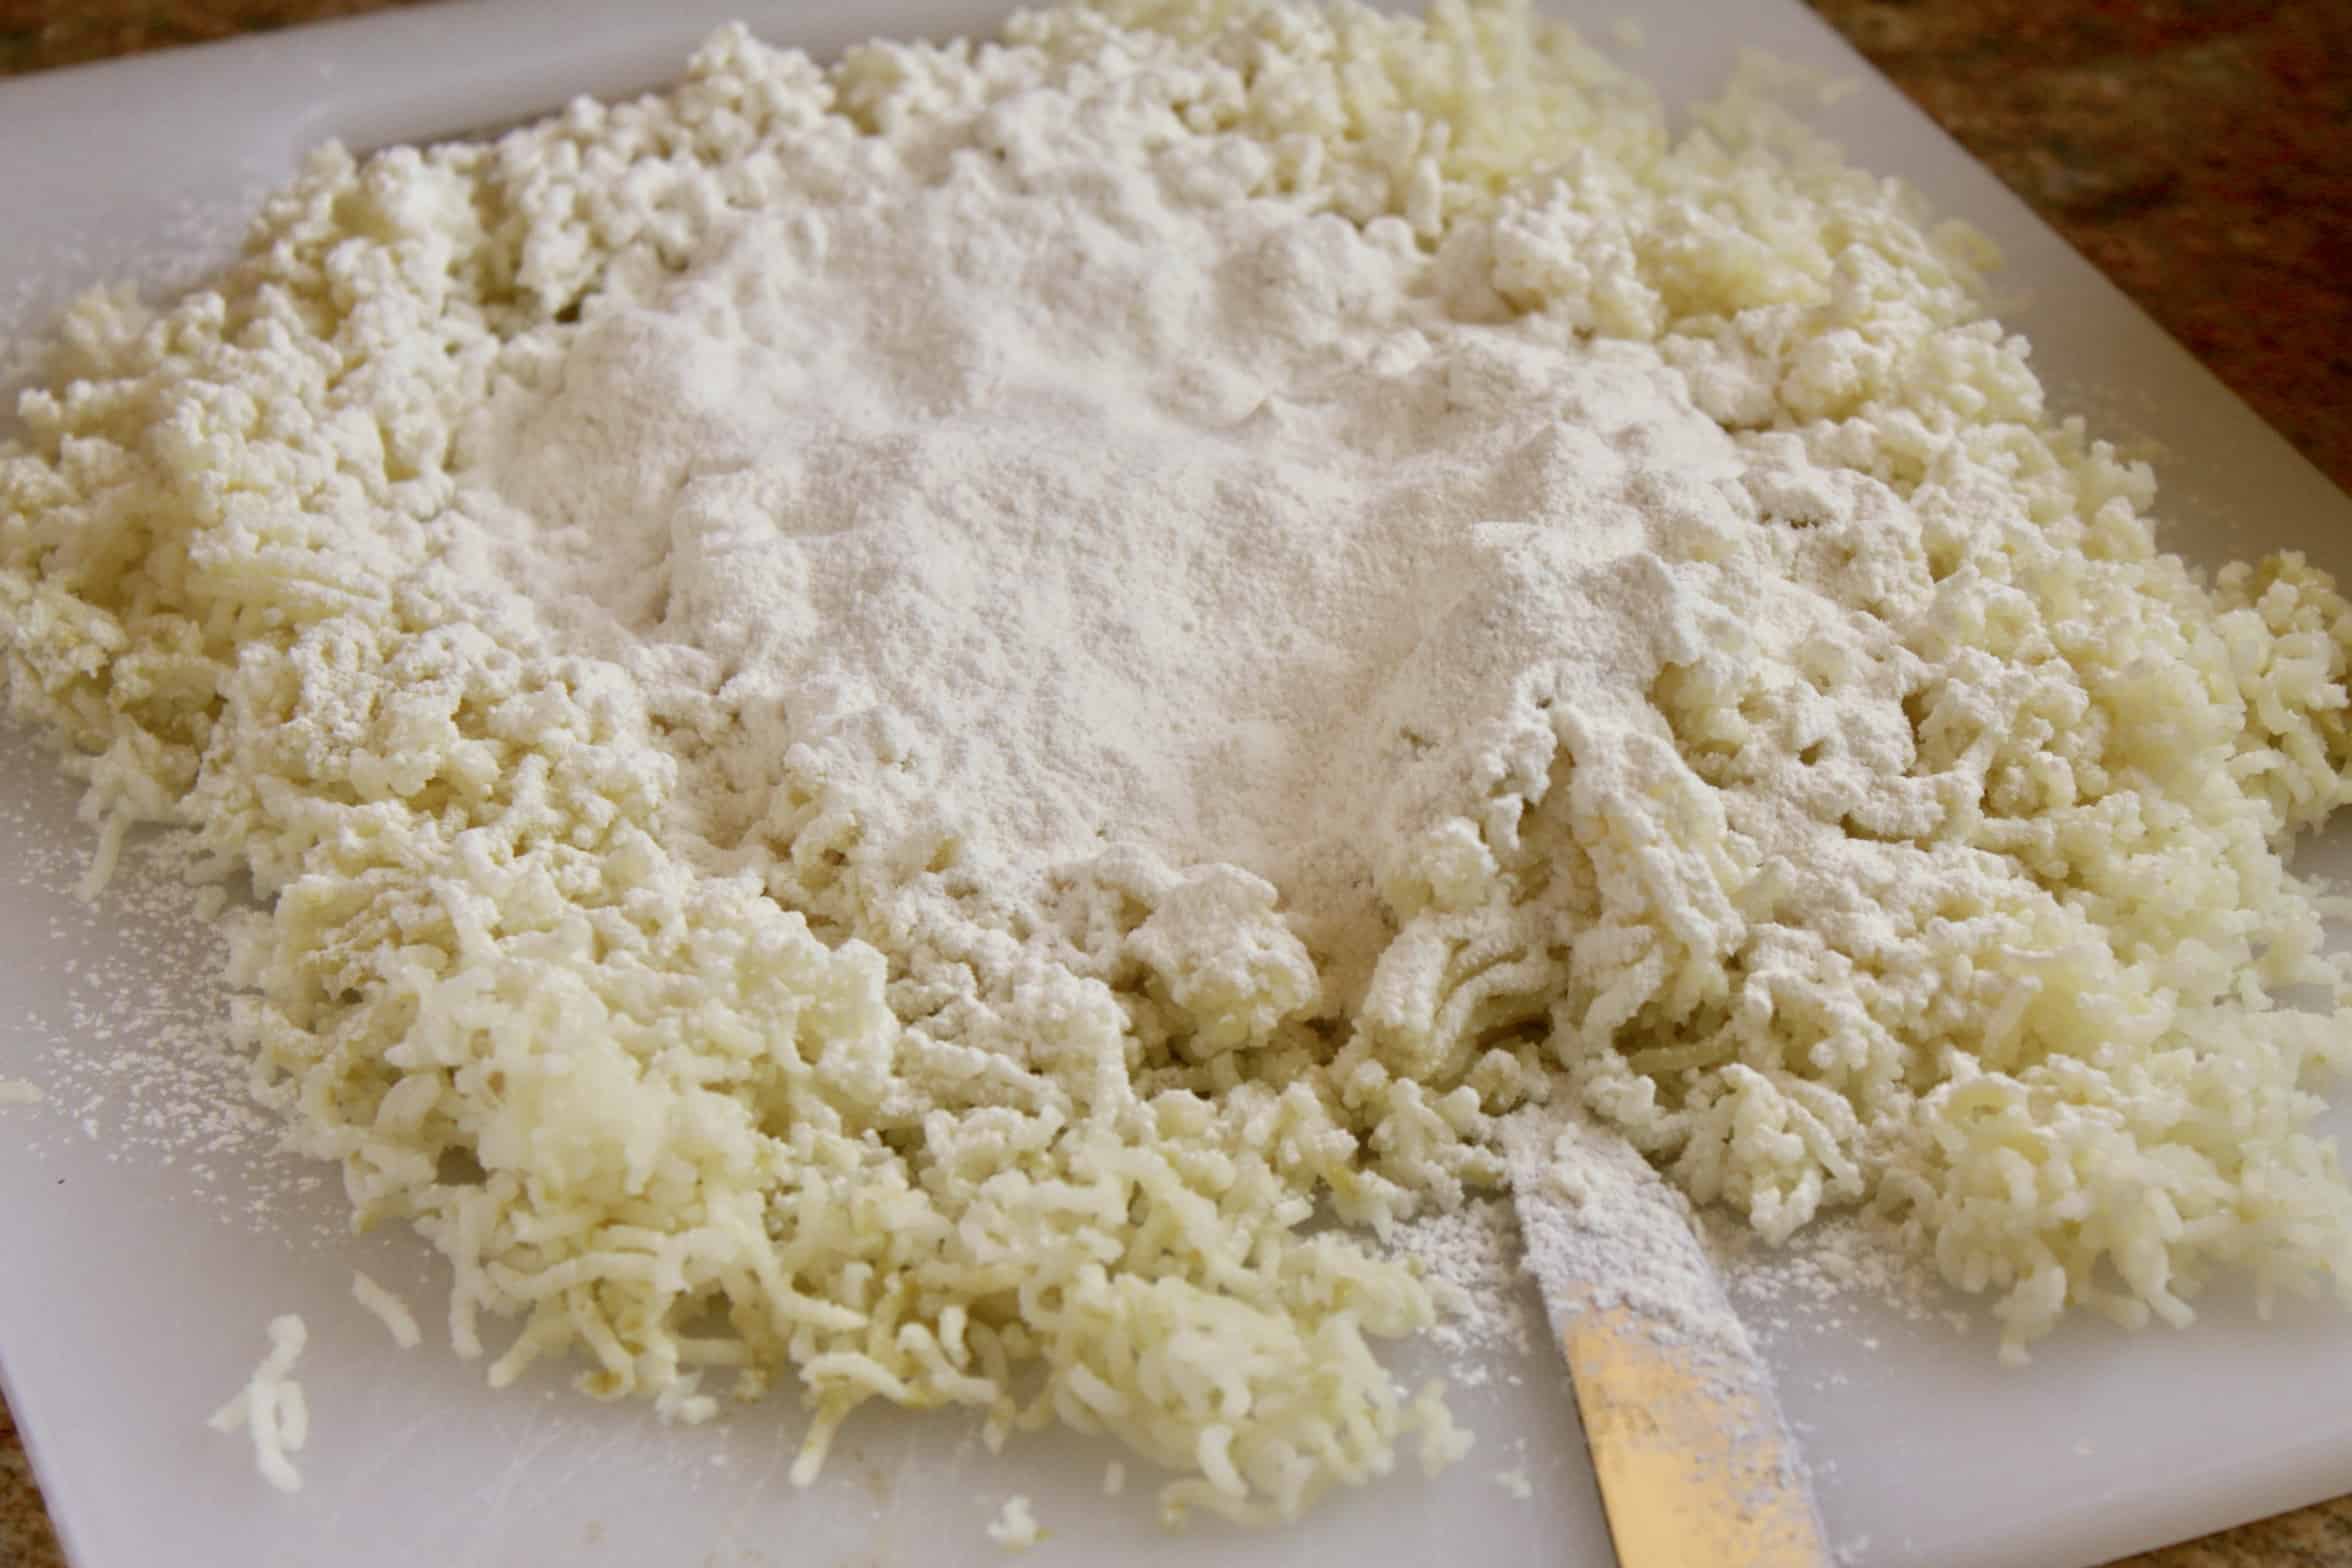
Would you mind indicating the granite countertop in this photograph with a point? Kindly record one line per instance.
(2199, 151)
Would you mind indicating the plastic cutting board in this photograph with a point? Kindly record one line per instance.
(133, 1296)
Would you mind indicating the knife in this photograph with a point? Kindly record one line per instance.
(1697, 1467)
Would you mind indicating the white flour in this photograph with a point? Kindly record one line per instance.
(1603, 1231)
(129, 1044)
(1472, 1256)
(1833, 1277)
(1082, 517)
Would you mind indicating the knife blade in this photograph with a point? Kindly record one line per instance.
(1696, 1464)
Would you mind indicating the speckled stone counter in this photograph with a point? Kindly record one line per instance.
(2199, 151)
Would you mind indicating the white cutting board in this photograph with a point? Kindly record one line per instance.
(135, 1278)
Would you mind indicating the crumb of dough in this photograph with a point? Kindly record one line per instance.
(1015, 1527)
(272, 1407)
(387, 1309)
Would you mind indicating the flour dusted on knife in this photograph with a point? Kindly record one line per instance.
(1604, 1231)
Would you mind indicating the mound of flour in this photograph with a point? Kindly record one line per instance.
(1061, 514)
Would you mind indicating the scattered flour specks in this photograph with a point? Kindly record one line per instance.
(1827, 1276)
(137, 1054)
(1471, 1256)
